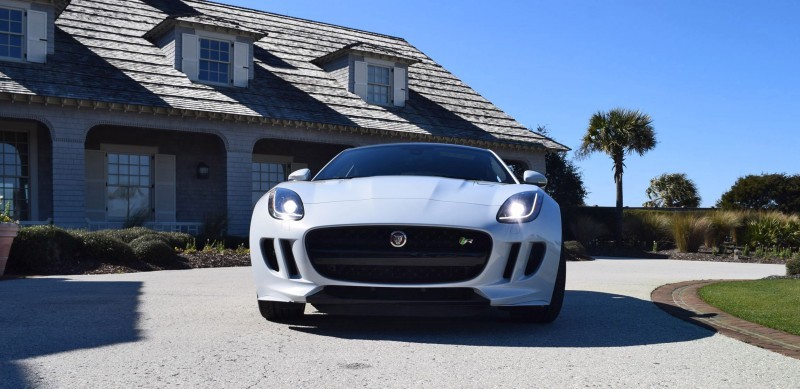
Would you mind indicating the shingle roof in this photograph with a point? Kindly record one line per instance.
(369, 50)
(101, 54)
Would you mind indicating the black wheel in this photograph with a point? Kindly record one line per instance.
(547, 313)
(281, 312)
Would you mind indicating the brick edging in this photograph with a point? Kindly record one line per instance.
(681, 300)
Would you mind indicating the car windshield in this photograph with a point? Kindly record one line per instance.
(417, 160)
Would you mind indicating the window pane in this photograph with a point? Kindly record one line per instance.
(14, 180)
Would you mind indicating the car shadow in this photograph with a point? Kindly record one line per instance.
(588, 319)
(43, 316)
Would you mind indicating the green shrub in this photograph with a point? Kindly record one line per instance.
(721, 224)
(646, 226)
(177, 239)
(41, 249)
(128, 234)
(688, 230)
(575, 251)
(153, 250)
(149, 238)
(103, 247)
(772, 229)
(793, 267)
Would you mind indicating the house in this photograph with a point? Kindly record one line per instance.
(173, 112)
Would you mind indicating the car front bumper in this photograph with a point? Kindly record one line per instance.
(287, 274)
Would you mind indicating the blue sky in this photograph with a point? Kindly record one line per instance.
(721, 79)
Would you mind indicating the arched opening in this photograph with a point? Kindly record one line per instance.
(153, 177)
(26, 178)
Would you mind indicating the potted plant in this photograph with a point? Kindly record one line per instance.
(8, 231)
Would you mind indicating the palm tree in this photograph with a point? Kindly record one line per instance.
(618, 132)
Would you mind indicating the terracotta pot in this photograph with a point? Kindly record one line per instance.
(8, 231)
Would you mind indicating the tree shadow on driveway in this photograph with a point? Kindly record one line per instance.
(588, 319)
(42, 316)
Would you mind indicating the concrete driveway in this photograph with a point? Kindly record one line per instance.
(201, 328)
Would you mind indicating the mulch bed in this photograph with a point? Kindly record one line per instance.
(196, 260)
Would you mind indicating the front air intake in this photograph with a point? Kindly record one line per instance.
(535, 258)
(512, 261)
(268, 251)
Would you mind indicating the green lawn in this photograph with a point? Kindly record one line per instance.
(771, 303)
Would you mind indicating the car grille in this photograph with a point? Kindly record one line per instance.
(430, 254)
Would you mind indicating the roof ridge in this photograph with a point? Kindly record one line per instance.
(299, 19)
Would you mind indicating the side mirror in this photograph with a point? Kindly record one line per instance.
(300, 175)
(534, 178)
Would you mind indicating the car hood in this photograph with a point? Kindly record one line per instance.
(406, 187)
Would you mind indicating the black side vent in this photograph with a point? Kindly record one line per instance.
(288, 257)
(512, 260)
(268, 250)
(535, 259)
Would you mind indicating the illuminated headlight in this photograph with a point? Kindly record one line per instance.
(520, 208)
(285, 204)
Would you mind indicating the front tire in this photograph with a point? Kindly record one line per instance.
(281, 312)
(547, 313)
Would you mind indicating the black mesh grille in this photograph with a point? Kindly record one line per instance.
(430, 254)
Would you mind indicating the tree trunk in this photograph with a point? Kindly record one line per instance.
(618, 224)
(619, 162)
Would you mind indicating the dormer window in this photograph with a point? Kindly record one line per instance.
(209, 50)
(11, 33)
(215, 61)
(23, 33)
(376, 74)
(379, 84)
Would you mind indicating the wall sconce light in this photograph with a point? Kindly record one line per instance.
(202, 171)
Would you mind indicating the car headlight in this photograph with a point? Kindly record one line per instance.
(285, 204)
(520, 208)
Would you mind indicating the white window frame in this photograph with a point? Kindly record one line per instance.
(398, 79)
(36, 29)
(239, 63)
(388, 86)
(228, 64)
(129, 150)
(22, 34)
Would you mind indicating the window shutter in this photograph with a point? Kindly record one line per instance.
(190, 54)
(241, 64)
(37, 36)
(165, 188)
(95, 196)
(360, 79)
(399, 87)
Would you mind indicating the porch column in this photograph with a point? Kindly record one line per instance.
(239, 191)
(69, 183)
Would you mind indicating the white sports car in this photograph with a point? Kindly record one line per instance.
(409, 229)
